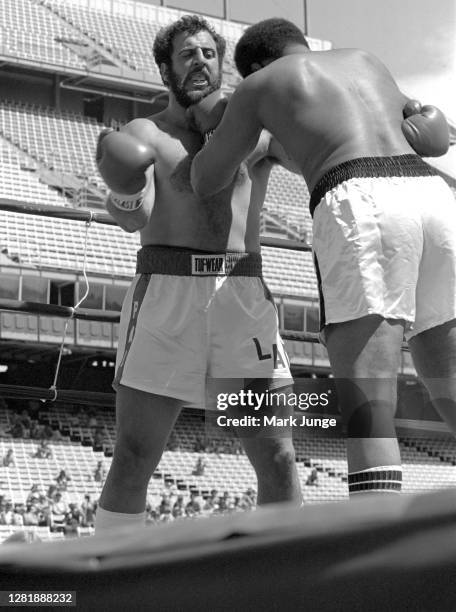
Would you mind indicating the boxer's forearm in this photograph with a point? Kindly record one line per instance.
(215, 166)
(211, 174)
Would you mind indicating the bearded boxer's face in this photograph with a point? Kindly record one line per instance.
(194, 72)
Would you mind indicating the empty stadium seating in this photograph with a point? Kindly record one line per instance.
(29, 32)
(57, 243)
(19, 180)
(64, 142)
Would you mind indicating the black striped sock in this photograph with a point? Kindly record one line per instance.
(382, 479)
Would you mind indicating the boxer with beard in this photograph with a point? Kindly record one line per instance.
(198, 307)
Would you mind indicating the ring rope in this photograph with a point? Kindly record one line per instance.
(53, 387)
(75, 214)
(72, 396)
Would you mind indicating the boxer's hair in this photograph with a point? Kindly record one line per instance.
(190, 24)
(265, 40)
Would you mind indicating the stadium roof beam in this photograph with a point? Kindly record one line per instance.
(74, 86)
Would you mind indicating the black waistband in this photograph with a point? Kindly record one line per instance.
(364, 167)
(175, 261)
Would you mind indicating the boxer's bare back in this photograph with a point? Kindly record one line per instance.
(323, 107)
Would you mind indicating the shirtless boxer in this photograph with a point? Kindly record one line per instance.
(384, 224)
(198, 306)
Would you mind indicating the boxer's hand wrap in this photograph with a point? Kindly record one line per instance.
(128, 203)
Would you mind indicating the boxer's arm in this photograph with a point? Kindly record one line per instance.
(270, 150)
(278, 155)
(215, 166)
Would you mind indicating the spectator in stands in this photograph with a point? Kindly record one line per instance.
(34, 494)
(71, 527)
(7, 513)
(52, 490)
(248, 499)
(152, 517)
(199, 445)
(4, 432)
(225, 502)
(179, 507)
(83, 418)
(189, 54)
(25, 419)
(74, 514)
(93, 422)
(312, 479)
(99, 473)
(8, 459)
(193, 507)
(88, 512)
(43, 451)
(211, 504)
(46, 433)
(59, 509)
(237, 507)
(18, 515)
(98, 439)
(33, 409)
(17, 429)
(200, 466)
(173, 442)
(62, 480)
(31, 515)
(44, 510)
(35, 431)
(74, 420)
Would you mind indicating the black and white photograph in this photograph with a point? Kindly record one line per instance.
(228, 305)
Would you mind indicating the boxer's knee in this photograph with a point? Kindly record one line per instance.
(272, 458)
(133, 460)
(284, 460)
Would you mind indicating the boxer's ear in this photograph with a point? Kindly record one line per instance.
(164, 74)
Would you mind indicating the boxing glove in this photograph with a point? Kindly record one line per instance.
(205, 116)
(122, 159)
(425, 129)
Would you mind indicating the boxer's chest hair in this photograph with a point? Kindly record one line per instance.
(180, 177)
(218, 213)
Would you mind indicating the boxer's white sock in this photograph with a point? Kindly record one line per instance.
(106, 521)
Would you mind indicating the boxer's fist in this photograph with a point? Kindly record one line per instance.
(205, 116)
(123, 159)
(425, 129)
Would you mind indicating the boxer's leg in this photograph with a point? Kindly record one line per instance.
(364, 356)
(144, 423)
(434, 356)
(270, 449)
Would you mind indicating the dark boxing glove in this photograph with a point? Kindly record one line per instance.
(425, 129)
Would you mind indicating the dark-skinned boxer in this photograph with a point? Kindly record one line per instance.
(384, 223)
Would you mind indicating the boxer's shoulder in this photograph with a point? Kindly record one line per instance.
(143, 129)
